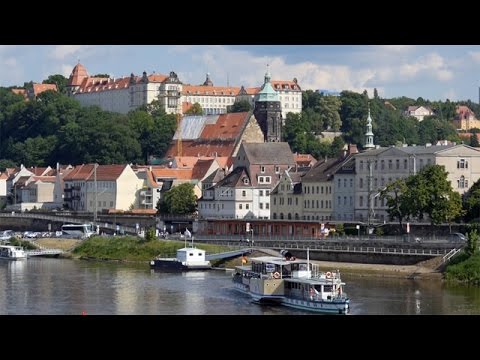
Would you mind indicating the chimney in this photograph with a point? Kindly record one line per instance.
(352, 149)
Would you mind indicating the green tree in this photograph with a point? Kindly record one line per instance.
(472, 242)
(442, 203)
(59, 80)
(395, 194)
(471, 202)
(240, 106)
(4, 163)
(196, 109)
(474, 140)
(179, 200)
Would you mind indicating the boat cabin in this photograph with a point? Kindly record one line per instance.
(191, 256)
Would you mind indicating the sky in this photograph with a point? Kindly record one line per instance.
(434, 72)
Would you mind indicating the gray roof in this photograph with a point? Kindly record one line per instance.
(192, 126)
(232, 179)
(410, 150)
(270, 153)
(323, 171)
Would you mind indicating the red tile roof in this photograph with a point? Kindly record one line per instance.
(210, 90)
(216, 140)
(79, 172)
(181, 174)
(464, 112)
(79, 73)
(228, 126)
(285, 85)
(39, 88)
(201, 168)
(22, 92)
(186, 106)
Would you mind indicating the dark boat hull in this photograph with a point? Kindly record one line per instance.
(176, 265)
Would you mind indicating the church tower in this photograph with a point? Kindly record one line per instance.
(369, 134)
(79, 73)
(268, 111)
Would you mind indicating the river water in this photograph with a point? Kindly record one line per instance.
(70, 287)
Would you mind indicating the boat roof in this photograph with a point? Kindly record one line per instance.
(277, 260)
(190, 248)
(314, 281)
(10, 247)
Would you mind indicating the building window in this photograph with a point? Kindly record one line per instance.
(262, 169)
(397, 164)
(260, 192)
(361, 183)
(247, 206)
(260, 179)
(274, 201)
(390, 164)
(361, 165)
(461, 182)
(462, 164)
(267, 192)
(361, 200)
(405, 164)
(351, 182)
(296, 201)
(267, 205)
(382, 165)
(344, 200)
(268, 179)
(240, 206)
(277, 169)
(339, 200)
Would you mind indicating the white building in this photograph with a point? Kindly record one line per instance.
(93, 187)
(418, 112)
(245, 192)
(127, 93)
(289, 93)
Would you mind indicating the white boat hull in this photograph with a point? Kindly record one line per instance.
(331, 307)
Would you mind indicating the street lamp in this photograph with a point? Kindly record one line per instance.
(358, 228)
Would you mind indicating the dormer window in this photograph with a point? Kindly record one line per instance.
(245, 180)
(262, 169)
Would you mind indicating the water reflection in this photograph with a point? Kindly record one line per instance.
(56, 286)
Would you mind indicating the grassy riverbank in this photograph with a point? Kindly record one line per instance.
(465, 269)
(129, 248)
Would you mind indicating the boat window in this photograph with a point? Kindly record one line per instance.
(190, 254)
(327, 288)
(302, 267)
(318, 288)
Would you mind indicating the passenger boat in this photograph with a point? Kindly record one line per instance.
(188, 258)
(10, 252)
(292, 282)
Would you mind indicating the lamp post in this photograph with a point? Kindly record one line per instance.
(95, 193)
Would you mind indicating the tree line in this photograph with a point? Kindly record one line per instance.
(56, 128)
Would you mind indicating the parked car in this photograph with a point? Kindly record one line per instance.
(457, 237)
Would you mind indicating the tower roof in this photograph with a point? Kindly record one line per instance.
(267, 93)
(208, 82)
(79, 73)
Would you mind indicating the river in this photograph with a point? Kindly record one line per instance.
(70, 287)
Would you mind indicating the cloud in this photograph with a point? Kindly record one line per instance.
(60, 52)
(12, 72)
(179, 49)
(397, 48)
(450, 94)
(475, 56)
(246, 69)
